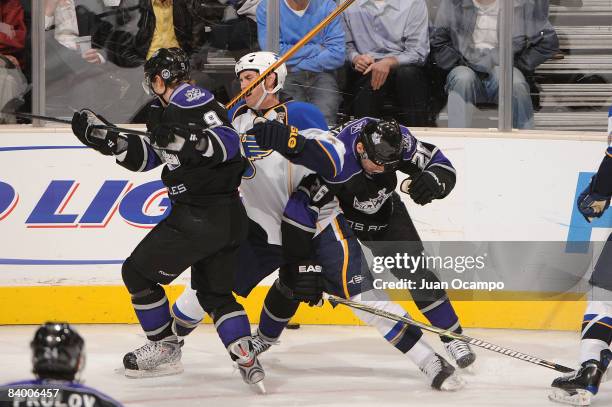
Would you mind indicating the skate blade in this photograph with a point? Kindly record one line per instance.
(259, 387)
(166, 369)
(581, 398)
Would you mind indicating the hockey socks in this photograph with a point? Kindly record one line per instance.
(596, 331)
(276, 313)
(232, 323)
(153, 312)
(184, 321)
(442, 315)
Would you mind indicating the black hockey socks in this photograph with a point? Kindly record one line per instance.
(442, 315)
(153, 312)
(231, 322)
(276, 313)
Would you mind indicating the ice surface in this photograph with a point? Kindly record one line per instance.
(313, 366)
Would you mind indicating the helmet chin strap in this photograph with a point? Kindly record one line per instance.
(264, 94)
(160, 96)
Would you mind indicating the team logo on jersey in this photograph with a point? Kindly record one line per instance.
(193, 94)
(372, 205)
(252, 152)
(170, 159)
(356, 128)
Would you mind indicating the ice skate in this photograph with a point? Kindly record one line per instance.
(461, 353)
(442, 374)
(243, 353)
(578, 388)
(261, 343)
(161, 358)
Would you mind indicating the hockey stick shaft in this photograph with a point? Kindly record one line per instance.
(39, 117)
(291, 51)
(443, 332)
(66, 121)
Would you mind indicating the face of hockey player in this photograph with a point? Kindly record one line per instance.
(159, 88)
(368, 165)
(253, 97)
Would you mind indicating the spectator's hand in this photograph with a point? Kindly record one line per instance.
(380, 71)
(7, 30)
(92, 56)
(362, 62)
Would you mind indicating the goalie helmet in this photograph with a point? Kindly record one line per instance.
(259, 62)
(383, 143)
(171, 64)
(57, 352)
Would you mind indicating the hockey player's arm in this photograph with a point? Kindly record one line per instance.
(432, 176)
(316, 149)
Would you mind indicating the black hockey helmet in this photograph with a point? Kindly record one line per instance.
(171, 64)
(383, 143)
(57, 352)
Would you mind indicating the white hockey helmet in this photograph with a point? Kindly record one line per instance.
(259, 62)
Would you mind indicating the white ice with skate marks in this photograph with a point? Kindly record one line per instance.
(314, 366)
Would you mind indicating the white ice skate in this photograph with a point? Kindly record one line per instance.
(261, 343)
(442, 374)
(461, 353)
(242, 352)
(161, 358)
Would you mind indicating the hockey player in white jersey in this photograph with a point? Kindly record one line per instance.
(578, 388)
(291, 144)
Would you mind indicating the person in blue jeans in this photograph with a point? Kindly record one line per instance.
(464, 42)
(312, 76)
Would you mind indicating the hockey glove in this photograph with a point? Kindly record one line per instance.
(103, 141)
(273, 135)
(430, 184)
(591, 204)
(316, 189)
(302, 281)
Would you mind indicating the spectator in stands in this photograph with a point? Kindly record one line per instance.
(162, 24)
(61, 15)
(12, 44)
(312, 76)
(387, 45)
(464, 41)
(237, 32)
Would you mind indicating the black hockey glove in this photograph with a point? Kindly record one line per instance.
(302, 281)
(592, 204)
(273, 135)
(316, 189)
(103, 141)
(433, 183)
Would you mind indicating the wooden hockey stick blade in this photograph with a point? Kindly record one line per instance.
(291, 51)
(443, 332)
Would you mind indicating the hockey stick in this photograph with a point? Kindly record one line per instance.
(443, 332)
(66, 121)
(291, 51)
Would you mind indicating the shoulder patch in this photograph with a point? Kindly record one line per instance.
(188, 96)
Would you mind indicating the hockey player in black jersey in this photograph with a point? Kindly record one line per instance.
(578, 388)
(375, 151)
(190, 134)
(58, 359)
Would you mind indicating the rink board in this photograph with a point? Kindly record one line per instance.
(69, 216)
